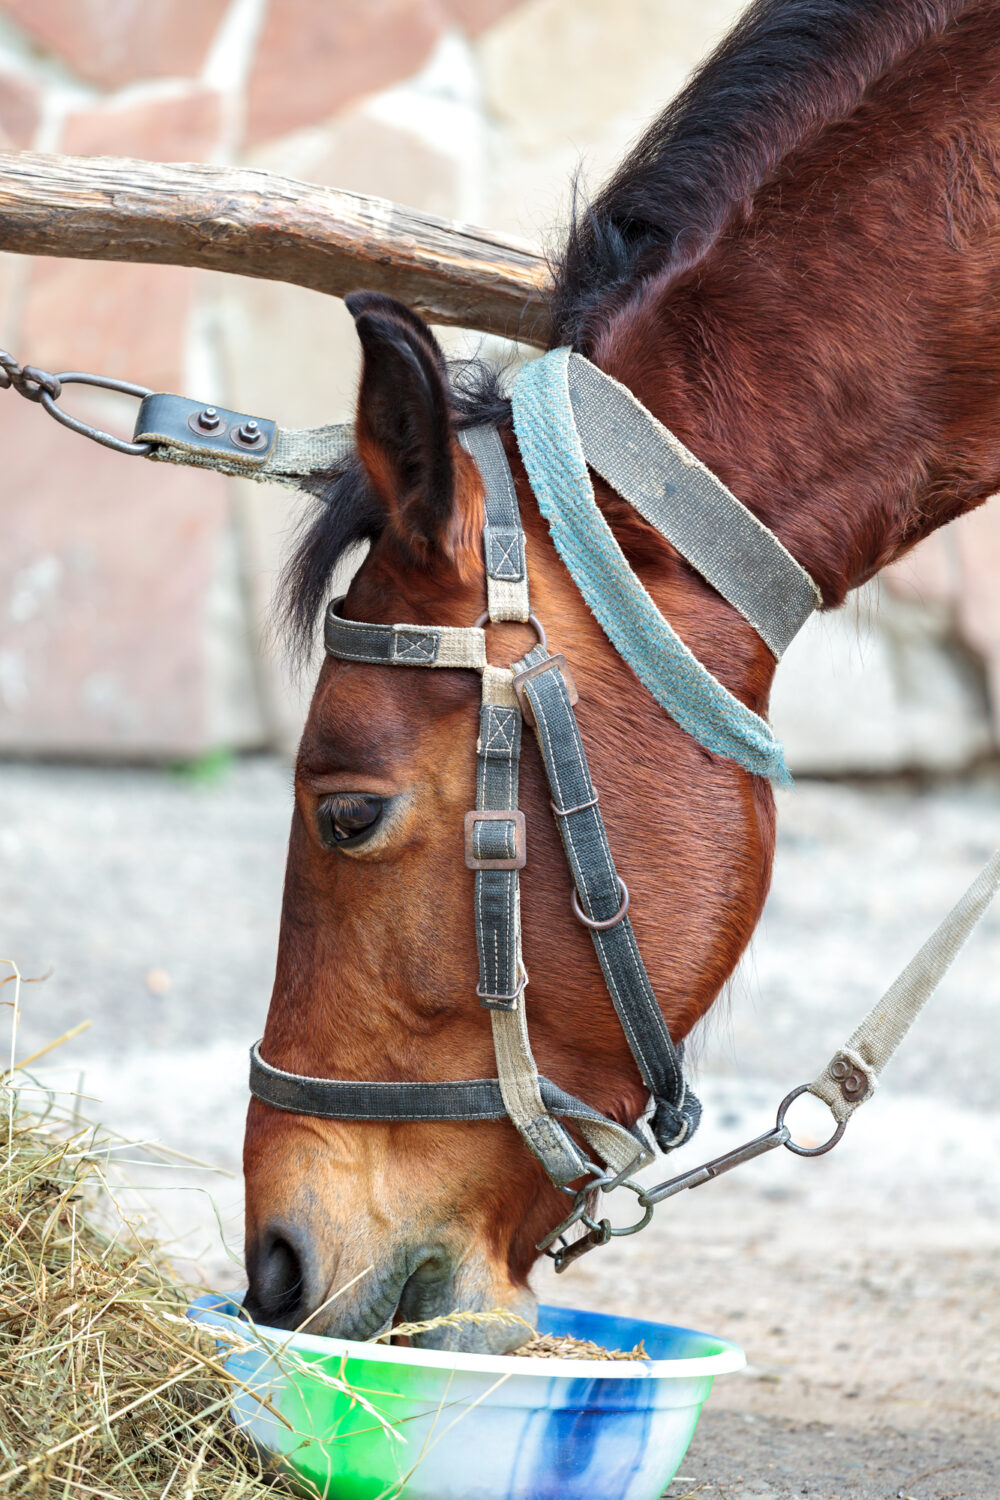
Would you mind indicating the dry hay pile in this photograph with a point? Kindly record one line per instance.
(106, 1390)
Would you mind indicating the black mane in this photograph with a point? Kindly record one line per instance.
(788, 69)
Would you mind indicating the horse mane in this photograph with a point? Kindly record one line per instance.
(788, 69)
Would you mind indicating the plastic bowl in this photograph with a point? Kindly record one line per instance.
(431, 1425)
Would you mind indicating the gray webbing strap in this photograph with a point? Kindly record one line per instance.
(600, 892)
(496, 839)
(357, 1099)
(502, 978)
(671, 489)
(404, 645)
(851, 1075)
(294, 454)
(503, 535)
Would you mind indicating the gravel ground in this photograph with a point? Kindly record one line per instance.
(862, 1285)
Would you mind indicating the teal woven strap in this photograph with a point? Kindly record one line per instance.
(557, 469)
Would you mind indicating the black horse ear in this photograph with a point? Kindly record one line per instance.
(403, 422)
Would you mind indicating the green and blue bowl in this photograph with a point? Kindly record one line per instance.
(363, 1421)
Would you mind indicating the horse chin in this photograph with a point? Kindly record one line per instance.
(433, 1292)
(436, 1289)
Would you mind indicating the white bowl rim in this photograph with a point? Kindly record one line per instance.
(730, 1358)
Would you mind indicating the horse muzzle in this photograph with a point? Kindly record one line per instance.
(419, 1283)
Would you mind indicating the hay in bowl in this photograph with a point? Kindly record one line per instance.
(371, 1421)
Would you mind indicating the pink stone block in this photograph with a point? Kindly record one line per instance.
(129, 321)
(313, 59)
(106, 567)
(183, 127)
(20, 111)
(113, 42)
(476, 16)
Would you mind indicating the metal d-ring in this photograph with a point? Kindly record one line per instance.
(532, 620)
(790, 1145)
(594, 926)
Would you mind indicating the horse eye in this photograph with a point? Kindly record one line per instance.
(348, 818)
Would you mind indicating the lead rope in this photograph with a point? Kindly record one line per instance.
(851, 1075)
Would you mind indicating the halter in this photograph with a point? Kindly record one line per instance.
(567, 413)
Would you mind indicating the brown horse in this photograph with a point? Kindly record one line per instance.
(796, 270)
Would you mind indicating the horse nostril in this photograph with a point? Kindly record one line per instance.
(276, 1269)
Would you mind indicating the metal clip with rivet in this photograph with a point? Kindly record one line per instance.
(195, 427)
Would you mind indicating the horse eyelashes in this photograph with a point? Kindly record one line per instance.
(347, 819)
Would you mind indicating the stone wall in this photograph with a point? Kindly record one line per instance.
(134, 598)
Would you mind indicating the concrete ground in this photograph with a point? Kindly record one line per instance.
(862, 1284)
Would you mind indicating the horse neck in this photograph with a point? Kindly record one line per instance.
(833, 358)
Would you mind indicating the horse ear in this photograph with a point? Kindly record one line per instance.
(403, 422)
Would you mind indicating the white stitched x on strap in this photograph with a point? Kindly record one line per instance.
(503, 535)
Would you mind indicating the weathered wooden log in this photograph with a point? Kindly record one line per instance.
(257, 224)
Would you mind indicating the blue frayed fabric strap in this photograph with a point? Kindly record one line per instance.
(554, 459)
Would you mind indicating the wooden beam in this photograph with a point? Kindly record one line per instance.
(257, 224)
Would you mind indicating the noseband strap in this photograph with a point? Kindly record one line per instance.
(569, 414)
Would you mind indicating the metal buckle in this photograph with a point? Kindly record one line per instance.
(494, 815)
(520, 678)
(501, 1002)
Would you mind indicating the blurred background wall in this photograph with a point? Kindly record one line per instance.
(134, 597)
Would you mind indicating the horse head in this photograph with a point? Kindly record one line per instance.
(377, 962)
(820, 331)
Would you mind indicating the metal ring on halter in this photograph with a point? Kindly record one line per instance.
(581, 916)
(626, 1229)
(803, 1088)
(533, 620)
